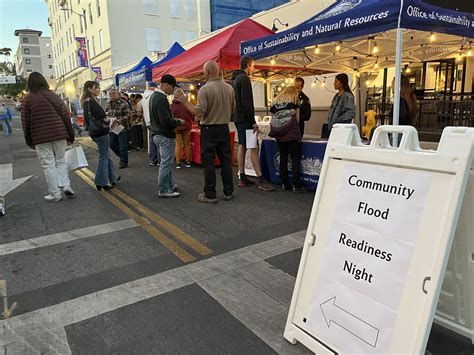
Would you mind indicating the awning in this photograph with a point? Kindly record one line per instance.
(175, 50)
(223, 48)
(133, 75)
(361, 35)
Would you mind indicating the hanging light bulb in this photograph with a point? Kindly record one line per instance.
(316, 50)
(287, 80)
(432, 37)
(367, 83)
(459, 58)
(469, 52)
(279, 88)
(408, 69)
(375, 49)
(292, 80)
(264, 81)
(191, 87)
(357, 74)
(338, 47)
(272, 62)
(313, 84)
(323, 84)
(376, 65)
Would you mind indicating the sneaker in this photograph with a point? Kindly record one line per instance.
(265, 186)
(169, 194)
(286, 187)
(245, 181)
(123, 165)
(153, 164)
(51, 197)
(204, 198)
(187, 164)
(178, 166)
(228, 197)
(298, 189)
(68, 191)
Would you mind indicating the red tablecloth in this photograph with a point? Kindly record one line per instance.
(196, 146)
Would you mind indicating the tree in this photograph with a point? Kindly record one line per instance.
(5, 51)
(8, 68)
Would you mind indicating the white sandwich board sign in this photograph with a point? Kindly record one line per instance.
(378, 241)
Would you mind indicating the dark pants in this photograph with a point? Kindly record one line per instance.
(216, 140)
(119, 145)
(292, 148)
(301, 123)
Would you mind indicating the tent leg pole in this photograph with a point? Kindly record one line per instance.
(396, 92)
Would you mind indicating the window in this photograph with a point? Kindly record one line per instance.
(25, 39)
(70, 64)
(48, 44)
(84, 17)
(73, 32)
(27, 61)
(189, 36)
(98, 8)
(92, 47)
(90, 13)
(26, 50)
(153, 41)
(150, 7)
(82, 27)
(175, 8)
(190, 10)
(101, 41)
(49, 55)
(51, 76)
(176, 36)
(50, 66)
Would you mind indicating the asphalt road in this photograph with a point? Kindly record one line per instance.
(127, 272)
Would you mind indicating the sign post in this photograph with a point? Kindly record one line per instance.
(378, 241)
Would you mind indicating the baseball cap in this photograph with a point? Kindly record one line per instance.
(169, 79)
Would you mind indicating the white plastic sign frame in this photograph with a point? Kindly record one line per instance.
(448, 169)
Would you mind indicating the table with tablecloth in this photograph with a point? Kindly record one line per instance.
(196, 146)
(312, 153)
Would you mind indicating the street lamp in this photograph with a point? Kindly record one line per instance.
(82, 17)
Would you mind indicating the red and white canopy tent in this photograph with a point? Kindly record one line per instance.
(224, 48)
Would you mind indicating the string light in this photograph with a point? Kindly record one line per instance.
(357, 74)
(286, 81)
(292, 80)
(469, 52)
(316, 50)
(323, 84)
(367, 82)
(376, 65)
(459, 57)
(375, 49)
(338, 47)
(272, 62)
(279, 88)
(408, 70)
(432, 37)
(313, 84)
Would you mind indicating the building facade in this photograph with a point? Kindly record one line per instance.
(34, 53)
(227, 12)
(118, 32)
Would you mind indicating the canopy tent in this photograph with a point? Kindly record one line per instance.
(224, 49)
(133, 75)
(175, 50)
(362, 35)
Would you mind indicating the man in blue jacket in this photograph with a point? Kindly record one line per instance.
(5, 117)
(163, 130)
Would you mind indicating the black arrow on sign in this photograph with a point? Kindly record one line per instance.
(332, 313)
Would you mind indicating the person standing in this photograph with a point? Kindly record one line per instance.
(342, 109)
(119, 109)
(153, 155)
(75, 125)
(47, 127)
(408, 103)
(245, 120)
(216, 103)
(136, 131)
(6, 117)
(286, 130)
(163, 129)
(105, 175)
(183, 133)
(304, 104)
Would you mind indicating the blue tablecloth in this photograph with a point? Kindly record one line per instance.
(312, 159)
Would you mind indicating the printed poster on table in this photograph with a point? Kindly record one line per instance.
(365, 264)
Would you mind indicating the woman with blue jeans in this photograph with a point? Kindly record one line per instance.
(105, 175)
(5, 118)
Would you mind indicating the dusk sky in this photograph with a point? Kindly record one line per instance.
(18, 14)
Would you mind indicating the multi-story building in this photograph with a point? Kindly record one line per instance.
(34, 53)
(227, 12)
(118, 32)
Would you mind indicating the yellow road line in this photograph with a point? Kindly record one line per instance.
(171, 228)
(168, 243)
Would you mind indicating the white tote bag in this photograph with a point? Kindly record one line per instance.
(76, 159)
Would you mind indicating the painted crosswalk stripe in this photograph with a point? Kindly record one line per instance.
(160, 221)
(144, 223)
(68, 236)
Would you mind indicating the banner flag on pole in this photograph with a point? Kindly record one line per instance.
(82, 59)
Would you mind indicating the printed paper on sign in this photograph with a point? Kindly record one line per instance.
(251, 138)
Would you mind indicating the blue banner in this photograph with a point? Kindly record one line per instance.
(82, 58)
(312, 156)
